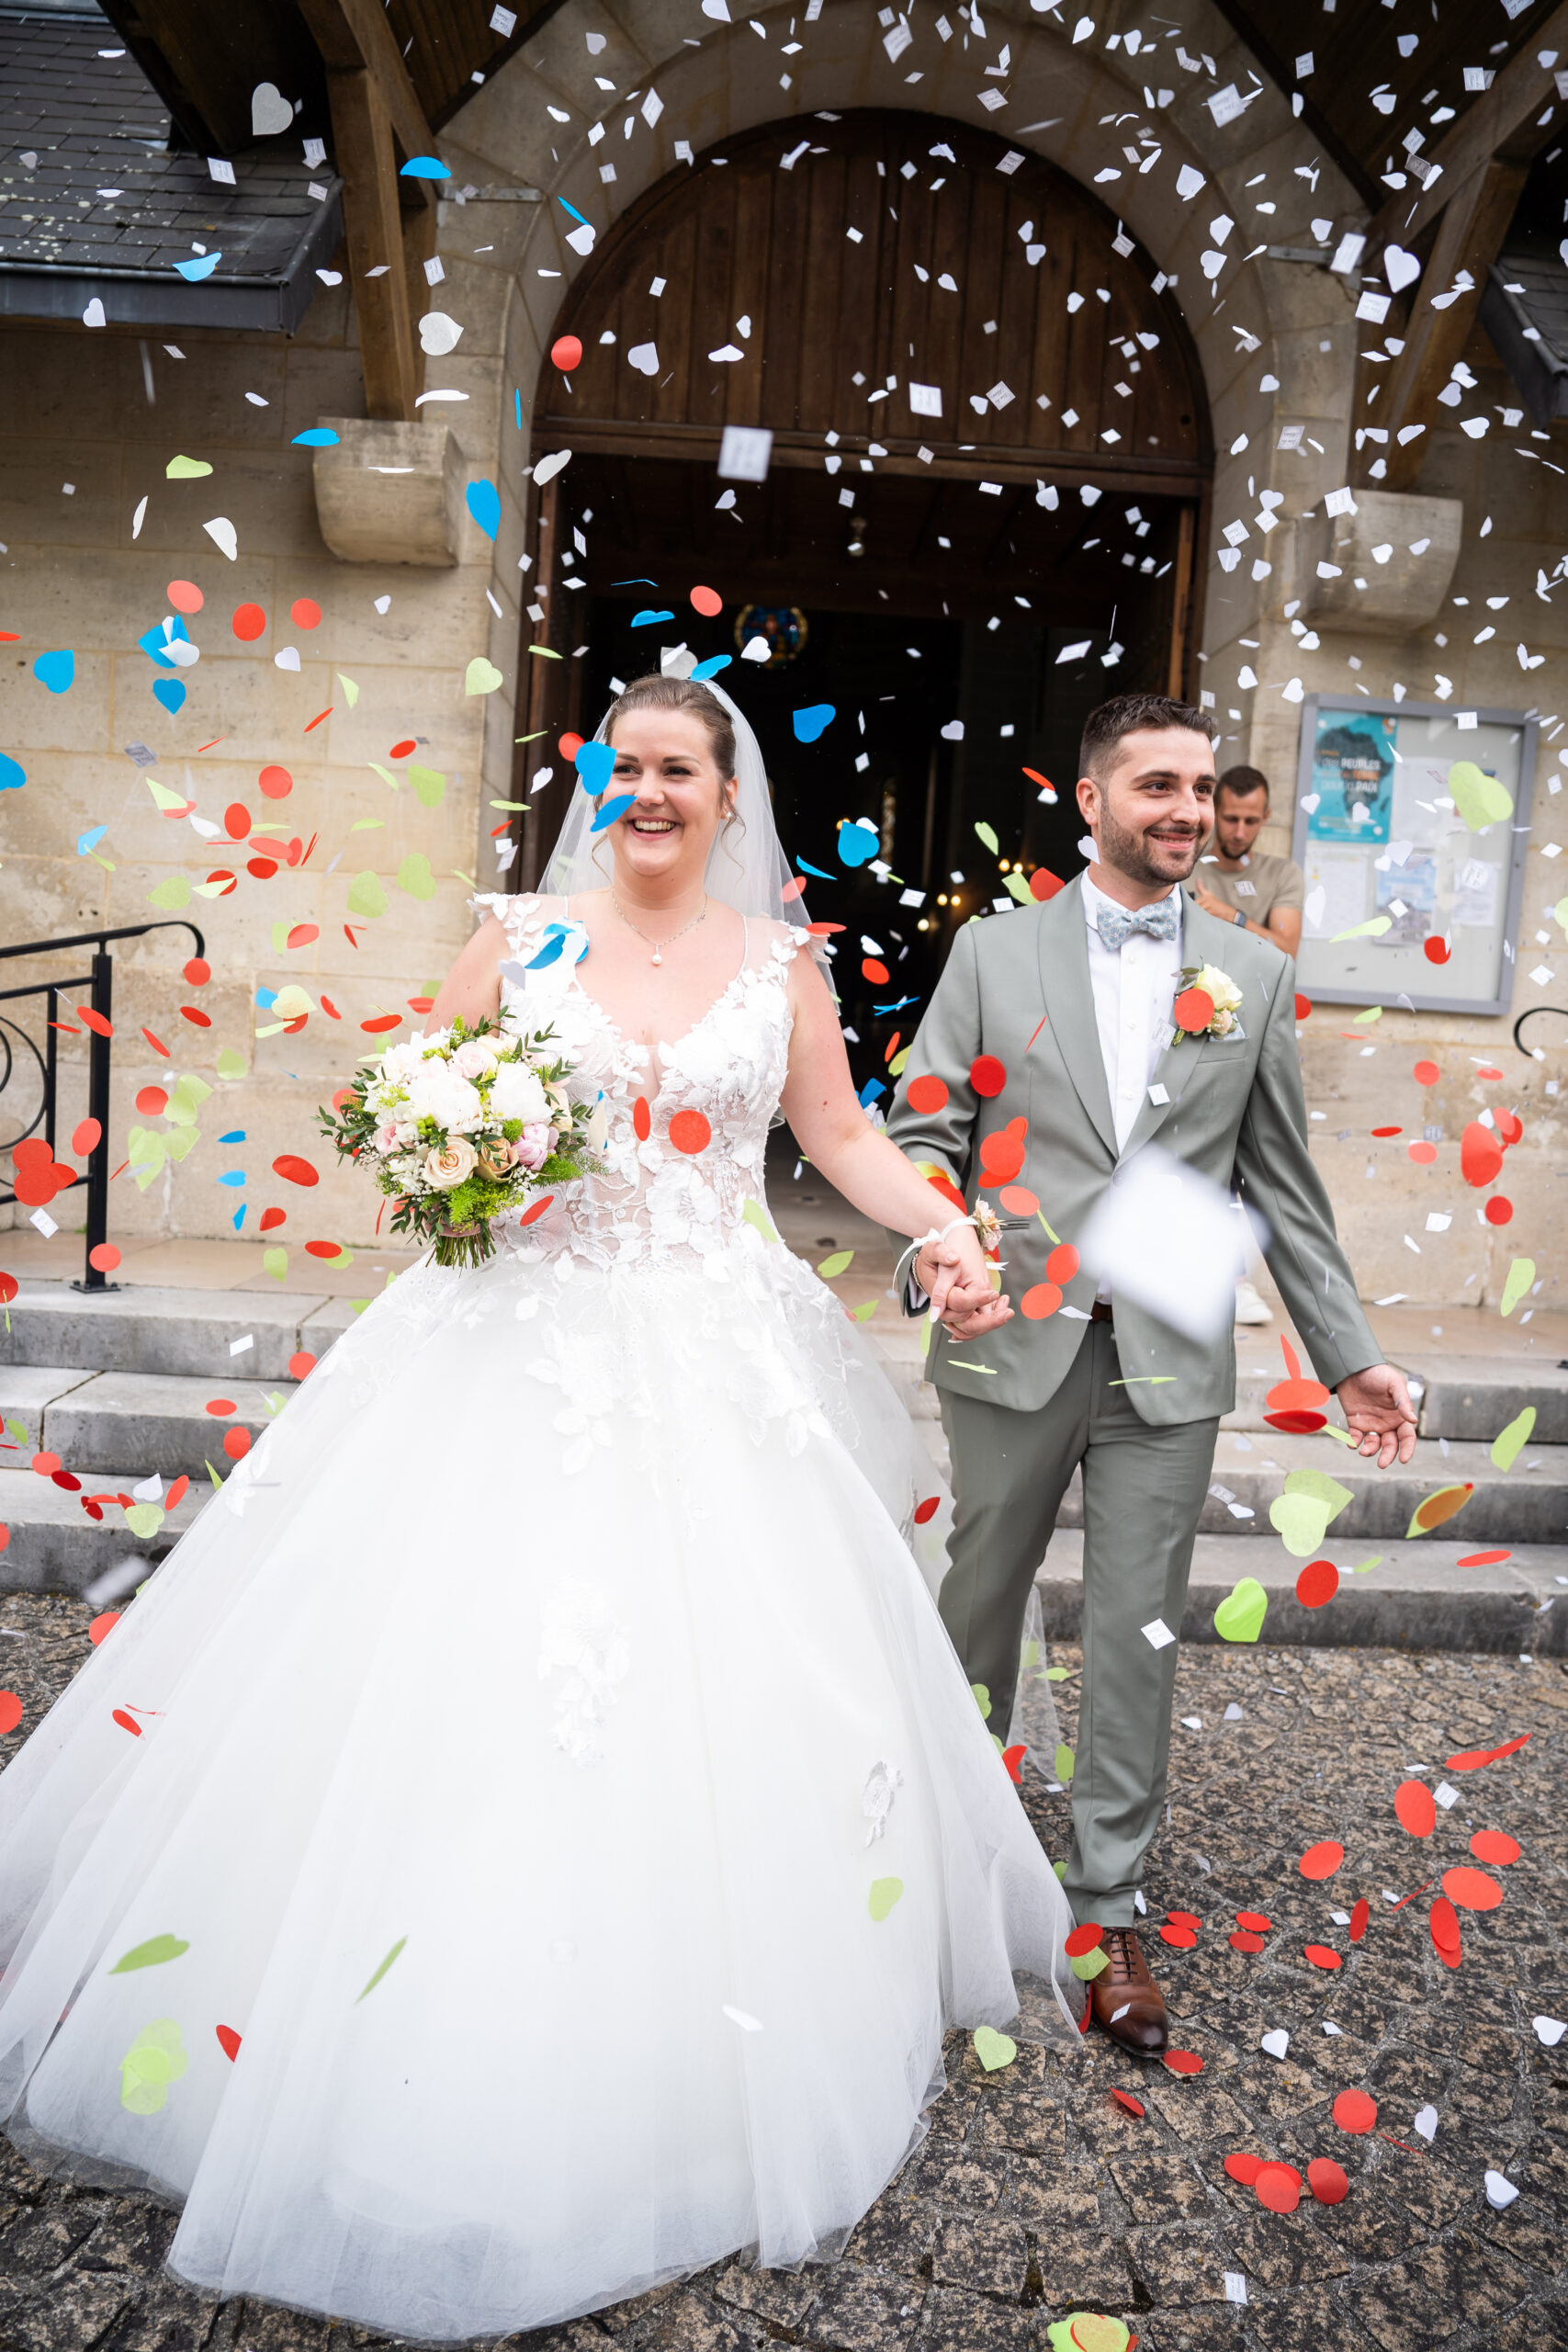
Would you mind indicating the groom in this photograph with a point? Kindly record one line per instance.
(1072, 1000)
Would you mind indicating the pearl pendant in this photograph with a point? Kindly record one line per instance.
(657, 956)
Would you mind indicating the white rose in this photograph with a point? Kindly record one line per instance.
(517, 1093)
(1221, 989)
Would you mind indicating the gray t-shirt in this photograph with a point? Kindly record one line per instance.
(1261, 885)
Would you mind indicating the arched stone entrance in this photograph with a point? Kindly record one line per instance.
(988, 432)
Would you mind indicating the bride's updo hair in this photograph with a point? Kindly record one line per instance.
(654, 692)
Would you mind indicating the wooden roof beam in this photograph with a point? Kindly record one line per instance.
(355, 37)
(1511, 120)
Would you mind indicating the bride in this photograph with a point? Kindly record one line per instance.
(529, 1839)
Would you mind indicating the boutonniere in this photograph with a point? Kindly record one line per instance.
(1206, 1005)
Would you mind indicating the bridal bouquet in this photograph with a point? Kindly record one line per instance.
(460, 1126)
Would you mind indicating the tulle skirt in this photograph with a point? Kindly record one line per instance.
(558, 1832)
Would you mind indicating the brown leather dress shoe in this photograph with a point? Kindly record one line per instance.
(1125, 2000)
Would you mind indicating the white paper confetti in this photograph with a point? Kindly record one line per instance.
(1157, 1633)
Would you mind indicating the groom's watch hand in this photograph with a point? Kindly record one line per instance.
(1379, 1414)
(974, 1309)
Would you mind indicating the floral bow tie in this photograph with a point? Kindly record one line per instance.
(1117, 924)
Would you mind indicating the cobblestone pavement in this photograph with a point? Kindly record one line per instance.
(1037, 2195)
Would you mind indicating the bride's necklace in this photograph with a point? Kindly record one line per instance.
(660, 944)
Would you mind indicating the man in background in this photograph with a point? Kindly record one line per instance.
(1243, 885)
(1250, 889)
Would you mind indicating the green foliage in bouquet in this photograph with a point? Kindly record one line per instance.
(457, 1127)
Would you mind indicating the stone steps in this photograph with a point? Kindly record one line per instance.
(96, 1420)
(54, 1546)
(147, 1329)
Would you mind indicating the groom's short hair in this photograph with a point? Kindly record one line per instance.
(1128, 715)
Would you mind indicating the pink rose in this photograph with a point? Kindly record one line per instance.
(533, 1146)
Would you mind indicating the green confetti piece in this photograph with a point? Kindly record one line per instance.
(186, 1098)
(154, 2060)
(171, 894)
(429, 786)
(231, 1064)
(350, 690)
(837, 1265)
(366, 896)
(1521, 1274)
(211, 1472)
(1029, 1658)
(1372, 930)
(482, 677)
(1302, 1514)
(994, 2050)
(1480, 798)
(753, 1214)
(152, 1954)
(982, 1698)
(864, 1313)
(382, 1970)
(1018, 888)
(275, 1264)
(1086, 1966)
(884, 1894)
(1239, 1617)
(1049, 1234)
(985, 833)
(1058, 1673)
(185, 469)
(144, 1519)
(1365, 1568)
(1065, 1760)
(415, 876)
(1061, 1867)
(1506, 1446)
(1372, 1012)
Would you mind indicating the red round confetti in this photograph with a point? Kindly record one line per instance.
(228, 2040)
(877, 974)
(986, 1075)
(1470, 1759)
(1318, 1584)
(569, 744)
(1484, 1559)
(1303, 1007)
(7, 1289)
(1242, 1939)
(294, 1171)
(566, 353)
(1323, 1956)
(328, 1250)
(1040, 1300)
(642, 1118)
(304, 933)
(64, 1478)
(1327, 2181)
(536, 1209)
(1436, 951)
(1388, 1131)
(689, 1132)
(1480, 1155)
(1088, 1937)
(126, 1722)
(926, 1094)
(1193, 1010)
(1279, 2187)
(1443, 1922)
(227, 885)
(1321, 1860)
(271, 1217)
(263, 868)
(1361, 1912)
(1243, 2167)
(1062, 1264)
(1042, 883)
(198, 972)
(1018, 1200)
(1416, 1807)
(221, 1405)
(1470, 1890)
(927, 1510)
(46, 1465)
(1183, 1939)
(11, 1712)
(301, 1364)
(708, 602)
(1426, 1073)
(305, 613)
(176, 1493)
(1001, 1157)
(237, 821)
(1496, 1846)
(1354, 2112)
(236, 1444)
(1499, 1211)
(102, 1625)
(249, 622)
(104, 1257)
(274, 783)
(1423, 1154)
(1509, 1126)
(1184, 2062)
(401, 751)
(151, 1101)
(194, 1015)
(1488, 1071)
(1124, 2098)
(1255, 1920)
(1184, 1918)
(184, 596)
(87, 1139)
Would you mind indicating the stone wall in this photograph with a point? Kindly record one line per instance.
(1277, 340)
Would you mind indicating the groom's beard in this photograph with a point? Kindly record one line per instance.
(1139, 858)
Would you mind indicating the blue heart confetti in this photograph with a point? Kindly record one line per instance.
(57, 670)
(170, 693)
(810, 723)
(484, 504)
(596, 764)
(611, 809)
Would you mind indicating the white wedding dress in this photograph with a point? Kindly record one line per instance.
(563, 1637)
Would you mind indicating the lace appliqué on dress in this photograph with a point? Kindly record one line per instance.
(585, 1642)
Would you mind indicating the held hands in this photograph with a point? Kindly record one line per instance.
(1379, 1412)
(953, 1272)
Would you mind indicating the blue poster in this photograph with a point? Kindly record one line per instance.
(1352, 777)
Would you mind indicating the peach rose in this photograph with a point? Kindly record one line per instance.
(444, 1171)
(495, 1160)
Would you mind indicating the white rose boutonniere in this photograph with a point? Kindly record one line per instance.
(1206, 1004)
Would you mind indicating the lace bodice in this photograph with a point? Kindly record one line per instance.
(661, 1196)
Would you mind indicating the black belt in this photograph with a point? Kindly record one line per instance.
(1100, 1312)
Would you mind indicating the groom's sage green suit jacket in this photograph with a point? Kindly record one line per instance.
(1017, 987)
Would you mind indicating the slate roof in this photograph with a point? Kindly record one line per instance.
(1524, 312)
(95, 124)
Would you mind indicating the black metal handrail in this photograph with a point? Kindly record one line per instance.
(1561, 1010)
(99, 981)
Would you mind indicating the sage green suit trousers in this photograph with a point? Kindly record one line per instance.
(1142, 1491)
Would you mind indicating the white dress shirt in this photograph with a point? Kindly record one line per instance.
(1134, 990)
